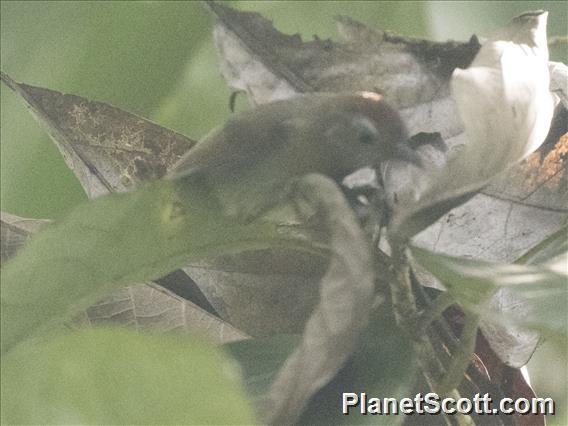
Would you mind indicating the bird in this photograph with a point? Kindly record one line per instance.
(249, 161)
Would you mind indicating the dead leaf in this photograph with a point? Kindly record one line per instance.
(540, 180)
(514, 213)
(260, 304)
(263, 292)
(411, 74)
(148, 307)
(15, 231)
(108, 149)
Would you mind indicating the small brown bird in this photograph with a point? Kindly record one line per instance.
(249, 161)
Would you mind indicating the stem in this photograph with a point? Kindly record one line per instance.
(403, 302)
(406, 314)
(461, 357)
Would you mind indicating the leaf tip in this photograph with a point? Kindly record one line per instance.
(7, 80)
(212, 6)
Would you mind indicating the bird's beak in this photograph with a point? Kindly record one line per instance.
(403, 152)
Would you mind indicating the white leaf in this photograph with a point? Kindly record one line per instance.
(505, 103)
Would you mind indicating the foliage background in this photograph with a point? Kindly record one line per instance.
(157, 59)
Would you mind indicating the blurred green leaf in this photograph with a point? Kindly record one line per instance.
(471, 282)
(127, 54)
(260, 360)
(113, 241)
(554, 246)
(14, 232)
(121, 377)
(543, 292)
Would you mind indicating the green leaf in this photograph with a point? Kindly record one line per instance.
(552, 247)
(543, 292)
(139, 306)
(121, 377)
(111, 242)
(260, 360)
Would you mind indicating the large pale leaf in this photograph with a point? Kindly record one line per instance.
(470, 231)
(505, 103)
(515, 212)
(346, 296)
(527, 202)
(121, 377)
(548, 250)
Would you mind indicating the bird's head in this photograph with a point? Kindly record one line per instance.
(365, 131)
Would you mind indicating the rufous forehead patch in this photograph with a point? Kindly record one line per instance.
(371, 95)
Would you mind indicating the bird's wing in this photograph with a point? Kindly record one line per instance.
(202, 156)
(234, 146)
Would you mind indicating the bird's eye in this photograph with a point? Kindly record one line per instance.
(366, 131)
(366, 137)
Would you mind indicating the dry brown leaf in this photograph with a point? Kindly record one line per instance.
(108, 149)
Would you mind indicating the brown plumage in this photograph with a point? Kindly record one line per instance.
(258, 151)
